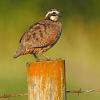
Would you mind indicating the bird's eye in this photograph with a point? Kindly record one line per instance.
(54, 13)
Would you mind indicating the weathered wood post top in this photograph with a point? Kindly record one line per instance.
(46, 80)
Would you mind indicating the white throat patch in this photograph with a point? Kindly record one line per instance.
(54, 18)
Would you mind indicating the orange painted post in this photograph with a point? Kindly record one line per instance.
(46, 80)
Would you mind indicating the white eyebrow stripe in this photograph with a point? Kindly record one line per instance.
(50, 12)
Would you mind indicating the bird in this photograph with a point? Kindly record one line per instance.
(41, 36)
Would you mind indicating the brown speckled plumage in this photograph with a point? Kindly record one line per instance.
(39, 37)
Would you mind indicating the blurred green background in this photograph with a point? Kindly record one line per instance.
(79, 44)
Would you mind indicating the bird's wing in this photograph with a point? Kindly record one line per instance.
(26, 32)
(39, 35)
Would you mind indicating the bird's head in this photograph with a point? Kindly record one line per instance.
(52, 14)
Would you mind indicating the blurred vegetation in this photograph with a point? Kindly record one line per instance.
(79, 44)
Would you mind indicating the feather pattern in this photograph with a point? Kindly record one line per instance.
(39, 37)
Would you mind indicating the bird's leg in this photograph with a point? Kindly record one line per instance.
(36, 57)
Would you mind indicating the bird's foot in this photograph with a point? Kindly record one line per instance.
(42, 58)
(46, 58)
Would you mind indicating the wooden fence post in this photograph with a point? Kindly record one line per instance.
(46, 80)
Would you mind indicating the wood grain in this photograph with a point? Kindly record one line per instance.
(46, 80)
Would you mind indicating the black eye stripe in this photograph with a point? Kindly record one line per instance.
(53, 13)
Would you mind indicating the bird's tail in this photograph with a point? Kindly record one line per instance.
(19, 52)
(16, 55)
